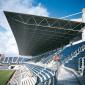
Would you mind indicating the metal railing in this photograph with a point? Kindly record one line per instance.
(81, 65)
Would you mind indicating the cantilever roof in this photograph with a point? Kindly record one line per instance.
(36, 34)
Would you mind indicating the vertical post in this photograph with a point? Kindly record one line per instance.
(56, 77)
(83, 20)
(83, 15)
(82, 65)
(79, 65)
(20, 77)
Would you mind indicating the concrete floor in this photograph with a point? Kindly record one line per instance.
(67, 77)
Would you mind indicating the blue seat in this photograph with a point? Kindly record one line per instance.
(15, 59)
(68, 50)
(10, 60)
(6, 60)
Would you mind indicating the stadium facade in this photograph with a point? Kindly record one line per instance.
(57, 48)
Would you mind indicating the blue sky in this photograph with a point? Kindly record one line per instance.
(50, 8)
(59, 8)
(2, 29)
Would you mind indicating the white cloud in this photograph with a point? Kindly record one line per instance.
(78, 20)
(7, 42)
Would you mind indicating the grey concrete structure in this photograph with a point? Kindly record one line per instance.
(36, 34)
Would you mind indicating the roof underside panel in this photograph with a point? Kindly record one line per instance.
(36, 34)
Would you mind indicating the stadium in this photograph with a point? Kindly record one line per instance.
(57, 47)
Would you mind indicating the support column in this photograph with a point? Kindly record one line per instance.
(83, 20)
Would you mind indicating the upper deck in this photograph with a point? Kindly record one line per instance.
(37, 34)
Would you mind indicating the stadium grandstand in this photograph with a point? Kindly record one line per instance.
(56, 47)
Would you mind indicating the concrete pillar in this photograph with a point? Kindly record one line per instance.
(83, 15)
(83, 34)
(83, 20)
